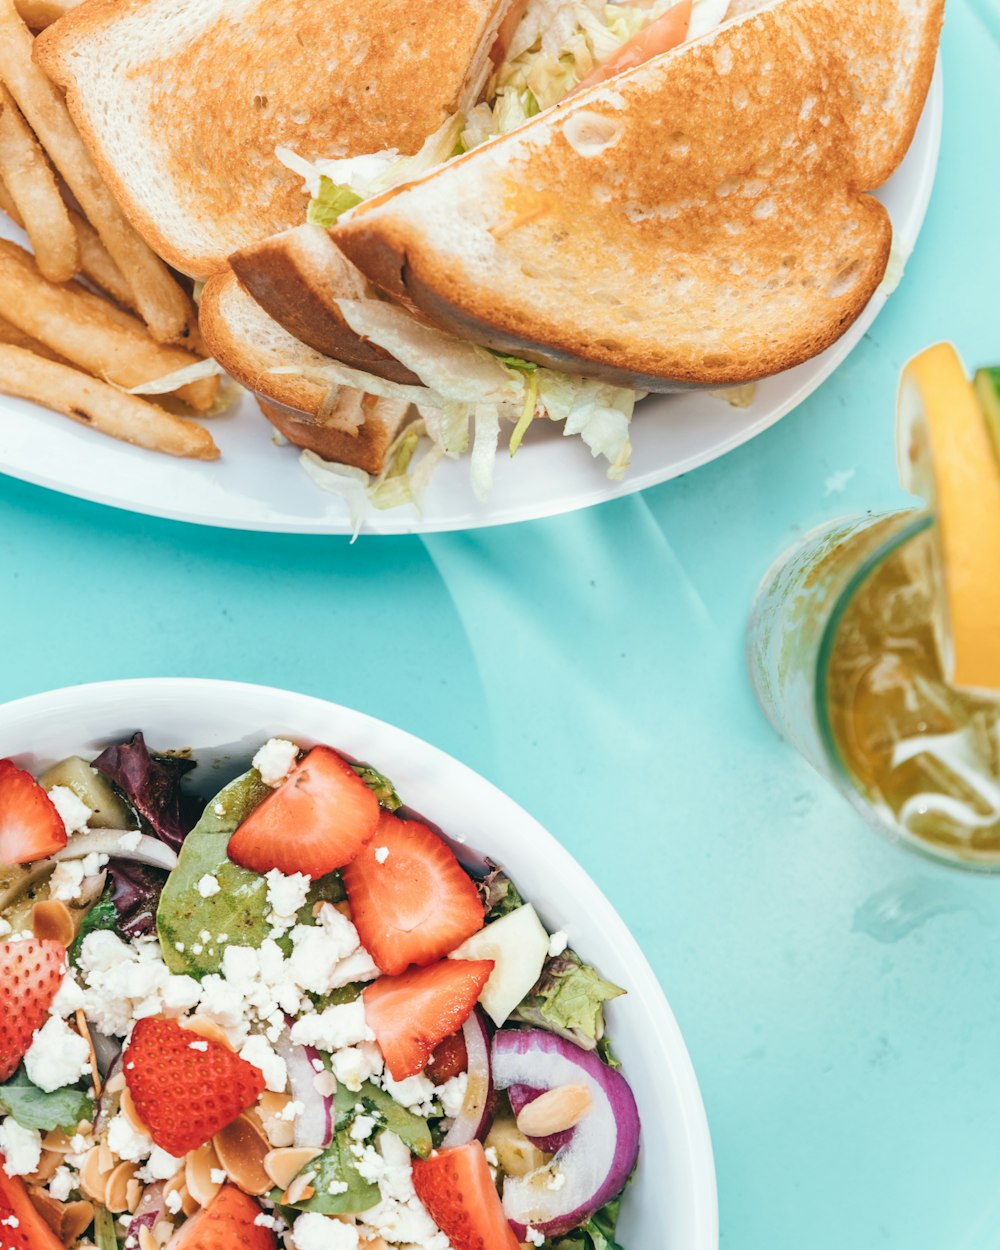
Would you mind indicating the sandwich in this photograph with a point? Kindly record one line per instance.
(702, 219)
(692, 210)
(183, 102)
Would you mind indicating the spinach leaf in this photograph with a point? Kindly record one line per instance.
(239, 910)
(380, 786)
(408, 1127)
(103, 915)
(336, 1167)
(32, 1107)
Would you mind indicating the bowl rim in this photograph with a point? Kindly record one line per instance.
(274, 702)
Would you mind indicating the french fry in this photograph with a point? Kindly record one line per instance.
(89, 331)
(95, 260)
(161, 301)
(9, 207)
(81, 398)
(41, 13)
(14, 335)
(32, 186)
(97, 265)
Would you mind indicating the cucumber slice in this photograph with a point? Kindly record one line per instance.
(987, 384)
(91, 788)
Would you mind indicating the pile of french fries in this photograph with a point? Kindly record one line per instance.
(67, 339)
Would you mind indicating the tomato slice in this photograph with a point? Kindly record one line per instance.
(660, 36)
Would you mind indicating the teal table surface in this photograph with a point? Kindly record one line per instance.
(840, 998)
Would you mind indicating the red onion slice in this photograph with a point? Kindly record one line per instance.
(147, 1213)
(474, 1119)
(314, 1123)
(603, 1147)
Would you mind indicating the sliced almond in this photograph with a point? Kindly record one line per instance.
(133, 1194)
(131, 1114)
(242, 1147)
(282, 1166)
(94, 1177)
(206, 1028)
(107, 1157)
(147, 1239)
(52, 921)
(116, 1194)
(77, 1218)
(57, 1141)
(555, 1111)
(280, 1133)
(116, 1083)
(198, 1169)
(300, 1190)
(163, 1230)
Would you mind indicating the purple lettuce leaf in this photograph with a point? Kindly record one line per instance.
(135, 893)
(151, 784)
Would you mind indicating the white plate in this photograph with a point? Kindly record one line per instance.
(671, 1204)
(257, 486)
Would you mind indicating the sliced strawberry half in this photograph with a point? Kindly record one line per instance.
(317, 820)
(186, 1087)
(21, 1226)
(411, 900)
(227, 1222)
(456, 1188)
(30, 826)
(411, 1014)
(450, 1058)
(31, 972)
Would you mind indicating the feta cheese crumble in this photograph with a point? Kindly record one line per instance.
(58, 1056)
(319, 1232)
(558, 943)
(21, 1148)
(73, 812)
(274, 760)
(209, 886)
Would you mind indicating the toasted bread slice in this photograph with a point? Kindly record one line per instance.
(700, 219)
(183, 102)
(297, 277)
(338, 423)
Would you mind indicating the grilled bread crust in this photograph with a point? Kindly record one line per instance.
(342, 424)
(297, 277)
(182, 102)
(699, 220)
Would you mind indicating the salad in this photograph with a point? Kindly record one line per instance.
(293, 1019)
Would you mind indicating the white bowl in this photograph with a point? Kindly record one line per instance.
(672, 1202)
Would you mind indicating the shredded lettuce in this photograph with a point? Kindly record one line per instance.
(569, 1000)
(331, 202)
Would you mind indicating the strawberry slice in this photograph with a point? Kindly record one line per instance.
(450, 1058)
(411, 900)
(21, 1226)
(186, 1087)
(31, 973)
(227, 1221)
(456, 1188)
(411, 1014)
(30, 826)
(318, 819)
